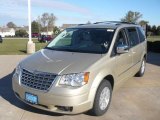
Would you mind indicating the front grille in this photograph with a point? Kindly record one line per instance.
(37, 80)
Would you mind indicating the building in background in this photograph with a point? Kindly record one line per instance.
(7, 32)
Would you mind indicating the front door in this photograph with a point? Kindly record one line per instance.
(123, 61)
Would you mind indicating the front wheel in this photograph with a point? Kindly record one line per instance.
(140, 73)
(102, 98)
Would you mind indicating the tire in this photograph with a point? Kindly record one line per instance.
(141, 72)
(99, 109)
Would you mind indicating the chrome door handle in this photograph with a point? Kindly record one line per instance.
(133, 52)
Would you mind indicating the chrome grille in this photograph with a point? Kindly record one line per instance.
(37, 80)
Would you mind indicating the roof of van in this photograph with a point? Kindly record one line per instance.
(107, 24)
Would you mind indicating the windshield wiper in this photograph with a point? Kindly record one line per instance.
(61, 49)
(49, 48)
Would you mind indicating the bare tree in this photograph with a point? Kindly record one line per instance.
(48, 21)
(132, 17)
(39, 23)
(44, 20)
(51, 21)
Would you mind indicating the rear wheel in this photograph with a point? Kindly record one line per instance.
(102, 98)
(140, 73)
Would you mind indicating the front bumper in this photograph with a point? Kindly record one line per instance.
(53, 102)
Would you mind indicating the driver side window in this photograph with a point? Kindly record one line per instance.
(120, 40)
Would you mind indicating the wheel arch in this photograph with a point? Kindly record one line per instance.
(109, 78)
(145, 56)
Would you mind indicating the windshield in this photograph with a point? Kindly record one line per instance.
(88, 40)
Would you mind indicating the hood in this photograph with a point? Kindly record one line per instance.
(59, 62)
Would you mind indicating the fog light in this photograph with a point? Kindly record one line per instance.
(65, 108)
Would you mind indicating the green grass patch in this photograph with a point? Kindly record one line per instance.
(153, 44)
(153, 38)
(17, 46)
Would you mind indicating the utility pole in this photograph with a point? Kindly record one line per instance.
(30, 44)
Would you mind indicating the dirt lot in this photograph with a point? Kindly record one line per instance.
(137, 99)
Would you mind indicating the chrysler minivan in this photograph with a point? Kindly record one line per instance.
(80, 68)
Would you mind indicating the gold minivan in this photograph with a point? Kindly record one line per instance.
(78, 70)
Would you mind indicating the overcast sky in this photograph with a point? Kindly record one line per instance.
(78, 11)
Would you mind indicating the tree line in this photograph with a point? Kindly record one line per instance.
(153, 30)
(43, 23)
(135, 17)
(46, 22)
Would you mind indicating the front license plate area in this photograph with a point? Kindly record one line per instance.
(33, 99)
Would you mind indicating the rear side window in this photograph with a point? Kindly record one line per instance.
(133, 36)
(141, 34)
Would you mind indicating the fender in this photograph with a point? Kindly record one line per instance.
(96, 82)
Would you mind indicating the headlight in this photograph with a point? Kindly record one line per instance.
(76, 80)
(18, 70)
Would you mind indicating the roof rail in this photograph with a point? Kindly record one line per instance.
(80, 24)
(114, 22)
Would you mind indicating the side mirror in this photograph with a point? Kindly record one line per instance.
(122, 49)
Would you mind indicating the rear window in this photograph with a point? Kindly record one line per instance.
(133, 36)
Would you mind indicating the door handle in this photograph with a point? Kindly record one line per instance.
(133, 52)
